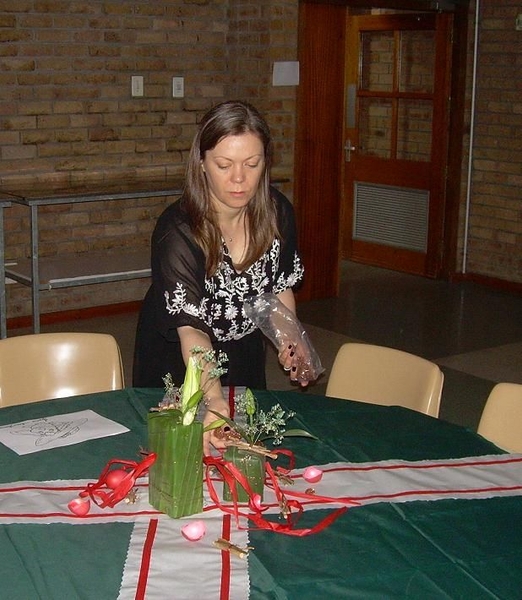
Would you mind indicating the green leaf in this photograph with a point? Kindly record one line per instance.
(176, 477)
(298, 433)
(250, 402)
(172, 413)
(194, 400)
(227, 420)
(215, 425)
(232, 424)
(191, 407)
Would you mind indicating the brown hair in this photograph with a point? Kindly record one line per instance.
(225, 119)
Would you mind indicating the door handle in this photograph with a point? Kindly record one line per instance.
(348, 149)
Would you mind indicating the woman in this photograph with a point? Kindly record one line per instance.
(229, 237)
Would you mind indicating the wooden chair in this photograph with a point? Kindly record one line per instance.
(56, 365)
(501, 420)
(381, 375)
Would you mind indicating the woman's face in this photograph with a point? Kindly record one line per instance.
(233, 169)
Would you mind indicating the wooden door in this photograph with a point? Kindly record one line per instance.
(319, 140)
(397, 82)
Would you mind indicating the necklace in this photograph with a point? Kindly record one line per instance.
(230, 238)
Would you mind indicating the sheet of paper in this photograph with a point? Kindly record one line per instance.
(55, 431)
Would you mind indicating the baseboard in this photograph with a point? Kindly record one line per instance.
(134, 306)
(493, 282)
(76, 314)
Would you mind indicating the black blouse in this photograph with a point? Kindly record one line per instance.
(186, 296)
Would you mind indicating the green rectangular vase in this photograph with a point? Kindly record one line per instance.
(176, 477)
(252, 466)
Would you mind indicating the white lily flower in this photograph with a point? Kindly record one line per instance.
(191, 386)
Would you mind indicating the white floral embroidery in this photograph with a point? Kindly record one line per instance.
(179, 303)
(285, 282)
(230, 312)
(221, 308)
(178, 299)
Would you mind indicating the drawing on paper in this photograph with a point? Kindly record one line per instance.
(54, 431)
(47, 430)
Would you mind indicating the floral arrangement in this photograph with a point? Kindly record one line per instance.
(253, 426)
(204, 366)
(244, 438)
(176, 437)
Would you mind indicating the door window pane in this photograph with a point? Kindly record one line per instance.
(377, 58)
(375, 127)
(417, 61)
(414, 130)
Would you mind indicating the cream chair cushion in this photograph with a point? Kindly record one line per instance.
(56, 365)
(501, 420)
(382, 375)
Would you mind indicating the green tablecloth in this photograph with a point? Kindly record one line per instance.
(435, 549)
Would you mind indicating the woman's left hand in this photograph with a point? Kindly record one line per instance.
(294, 361)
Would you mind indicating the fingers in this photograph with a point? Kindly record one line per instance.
(211, 438)
(298, 374)
(296, 361)
(206, 443)
(287, 357)
(291, 358)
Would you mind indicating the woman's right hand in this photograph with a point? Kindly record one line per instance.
(219, 405)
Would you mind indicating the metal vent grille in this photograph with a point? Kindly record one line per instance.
(392, 216)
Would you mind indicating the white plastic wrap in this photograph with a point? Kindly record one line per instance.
(283, 329)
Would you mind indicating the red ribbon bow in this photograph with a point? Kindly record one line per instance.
(109, 495)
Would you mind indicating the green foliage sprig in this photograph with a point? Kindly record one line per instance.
(259, 425)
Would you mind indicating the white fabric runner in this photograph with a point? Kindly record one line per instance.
(166, 562)
(179, 571)
(404, 481)
(46, 502)
(160, 562)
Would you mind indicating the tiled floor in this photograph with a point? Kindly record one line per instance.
(473, 332)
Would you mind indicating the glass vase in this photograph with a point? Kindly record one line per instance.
(252, 466)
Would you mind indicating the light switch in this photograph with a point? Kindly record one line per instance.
(178, 87)
(137, 86)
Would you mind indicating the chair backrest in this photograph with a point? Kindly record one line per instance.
(56, 365)
(501, 420)
(382, 375)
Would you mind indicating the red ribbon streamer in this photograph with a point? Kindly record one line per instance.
(141, 588)
(291, 509)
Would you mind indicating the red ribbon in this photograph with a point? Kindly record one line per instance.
(110, 498)
(291, 509)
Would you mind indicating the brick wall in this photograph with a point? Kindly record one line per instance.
(261, 33)
(67, 114)
(495, 215)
